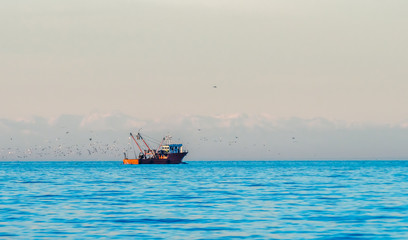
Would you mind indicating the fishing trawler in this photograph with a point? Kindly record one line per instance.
(166, 153)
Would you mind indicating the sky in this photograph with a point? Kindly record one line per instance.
(275, 69)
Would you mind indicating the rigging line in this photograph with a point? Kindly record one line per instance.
(151, 142)
(151, 139)
(133, 147)
(145, 136)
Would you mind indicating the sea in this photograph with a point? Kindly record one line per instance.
(204, 200)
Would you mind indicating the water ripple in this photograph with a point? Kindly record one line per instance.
(205, 200)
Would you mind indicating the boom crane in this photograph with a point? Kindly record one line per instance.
(160, 144)
(150, 150)
(136, 143)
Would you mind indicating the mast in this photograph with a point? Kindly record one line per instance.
(136, 143)
(150, 150)
(160, 144)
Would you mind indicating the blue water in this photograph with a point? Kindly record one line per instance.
(204, 200)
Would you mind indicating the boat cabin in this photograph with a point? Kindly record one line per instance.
(173, 148)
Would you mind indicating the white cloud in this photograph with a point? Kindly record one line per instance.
(219, 137)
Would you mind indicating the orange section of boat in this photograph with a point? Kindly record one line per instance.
(130, 161)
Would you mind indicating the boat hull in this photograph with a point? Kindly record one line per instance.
(173, 158)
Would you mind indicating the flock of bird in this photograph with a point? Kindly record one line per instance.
(96, 150)
(90, 148)
(59, 150)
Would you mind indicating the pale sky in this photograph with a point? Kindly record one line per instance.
(342, 60)
(339, 60)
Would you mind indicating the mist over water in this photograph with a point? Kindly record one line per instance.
(205, 200)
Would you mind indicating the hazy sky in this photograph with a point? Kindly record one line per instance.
(339, 60)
